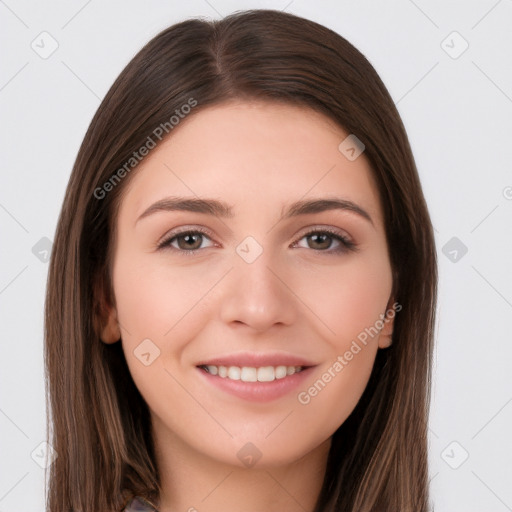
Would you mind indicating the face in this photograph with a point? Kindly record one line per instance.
(256, 284)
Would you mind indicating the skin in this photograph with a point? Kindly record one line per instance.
(298, 297)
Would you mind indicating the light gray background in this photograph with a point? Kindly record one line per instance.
(457, 112)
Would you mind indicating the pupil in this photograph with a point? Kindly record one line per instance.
(320, 239)
(189, 240)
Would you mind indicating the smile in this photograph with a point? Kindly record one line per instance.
(252, 374)
(255, 384)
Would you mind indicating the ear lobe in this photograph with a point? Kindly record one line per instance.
(386, 333)
(105, 321)
(110, 333)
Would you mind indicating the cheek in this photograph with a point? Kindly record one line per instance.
(151, 298)
(163, 304)
(349, 301)
(152, 304)
(331, 396)
(349, 298)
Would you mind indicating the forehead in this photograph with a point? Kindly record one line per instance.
(255, 155)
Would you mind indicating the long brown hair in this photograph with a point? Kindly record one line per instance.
(98, 423)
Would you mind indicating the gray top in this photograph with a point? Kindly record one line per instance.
(139, 504)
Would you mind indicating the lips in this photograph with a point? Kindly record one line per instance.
(256, 360)
(257, 391)
(277, 374)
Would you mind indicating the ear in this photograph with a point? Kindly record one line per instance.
(105, 321)
(386, 333)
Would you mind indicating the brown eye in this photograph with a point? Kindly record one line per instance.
(322, 240)
(190, 241)
(186, 241)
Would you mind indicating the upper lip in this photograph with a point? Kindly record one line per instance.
(255, 359)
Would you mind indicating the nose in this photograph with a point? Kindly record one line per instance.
(258, 294)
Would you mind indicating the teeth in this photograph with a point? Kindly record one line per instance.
(251, 374)
(234, 373)
(281, 372)
(266, 374)
(214, 370)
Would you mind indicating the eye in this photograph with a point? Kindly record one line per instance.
(188, 241)
(322, 240)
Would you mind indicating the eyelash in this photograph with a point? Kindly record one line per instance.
(345, 244)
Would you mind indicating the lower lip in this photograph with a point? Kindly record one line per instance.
(258, 391)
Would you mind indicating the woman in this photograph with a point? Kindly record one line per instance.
(241, 296)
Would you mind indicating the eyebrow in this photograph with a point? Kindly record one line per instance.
(224, 210)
